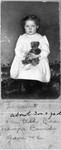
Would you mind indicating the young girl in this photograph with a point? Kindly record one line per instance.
(31, 53)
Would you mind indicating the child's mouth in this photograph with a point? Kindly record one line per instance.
(30, 31)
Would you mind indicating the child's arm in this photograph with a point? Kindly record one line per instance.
(19, 49)
(33, 56)
(17, 59)
(44, 48)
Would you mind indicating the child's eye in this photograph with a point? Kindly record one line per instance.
(33, 26)
(27, 26)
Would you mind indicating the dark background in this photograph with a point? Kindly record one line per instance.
(11, 14)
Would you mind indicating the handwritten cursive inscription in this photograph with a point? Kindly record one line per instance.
(29, 126)
(35, 114)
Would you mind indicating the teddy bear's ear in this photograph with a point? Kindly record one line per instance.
(38, 43)
(32, 44)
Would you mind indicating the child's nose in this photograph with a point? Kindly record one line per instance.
(30, 28)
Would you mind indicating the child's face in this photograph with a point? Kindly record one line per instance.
(30, 27)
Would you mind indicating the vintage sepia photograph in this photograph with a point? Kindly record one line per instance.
(30, 50)
(30, 102)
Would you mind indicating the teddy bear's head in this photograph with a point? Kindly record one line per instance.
(34, 45)
(34, 48)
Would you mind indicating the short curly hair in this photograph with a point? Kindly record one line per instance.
(30, 17)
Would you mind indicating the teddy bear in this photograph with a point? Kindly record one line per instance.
(34, 50)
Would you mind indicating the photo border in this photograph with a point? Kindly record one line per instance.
(35, 100)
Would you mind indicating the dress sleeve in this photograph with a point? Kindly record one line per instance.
(19, 48)
(44, 47)
(17, 59)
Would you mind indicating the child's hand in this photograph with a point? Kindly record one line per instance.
(25, 54)
(32, 56)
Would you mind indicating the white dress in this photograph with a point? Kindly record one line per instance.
(41, 71)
